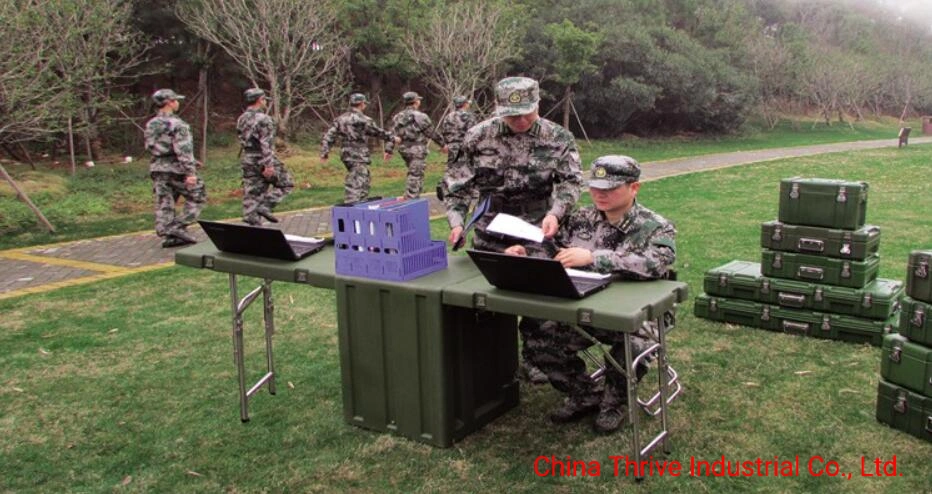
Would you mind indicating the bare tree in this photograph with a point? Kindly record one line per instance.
(31, 95)
(96, 48)
(290, 45)
(461, 46)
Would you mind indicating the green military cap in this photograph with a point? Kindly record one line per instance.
(411, 97)
(516, 96)
(253, 94)
(608, 172)
(163, 96)
(459, 101)
(357, 98)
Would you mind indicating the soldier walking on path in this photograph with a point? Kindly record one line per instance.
(265, 180)
(414, 128)
(173, 170)
(453, 130)
(354, 128)
(528, 167)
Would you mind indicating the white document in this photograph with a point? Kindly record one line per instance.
(507, 224)
(299, 238)
(578, 273)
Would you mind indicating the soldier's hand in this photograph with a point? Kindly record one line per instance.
(198, 164)
(323, 159)
(445, 149)
(190, 181)
(455, 234)
(397, 140)
(549, 226)
(516, 250)
(574, 257)
(268, 171)
(386, 156)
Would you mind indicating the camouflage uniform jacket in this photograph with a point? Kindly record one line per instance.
(354, 129)
(540, 166)
(642, 246)
(414, 128)
(169, 140)
(454, 126)
(256, 131)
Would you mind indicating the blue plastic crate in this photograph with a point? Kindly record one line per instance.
(387, 239)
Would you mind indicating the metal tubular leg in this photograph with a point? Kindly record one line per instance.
(631, 386)
(267, 314)
(240, 306)
(663, 369)
(238, 351)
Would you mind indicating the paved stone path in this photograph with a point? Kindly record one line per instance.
(44, 268)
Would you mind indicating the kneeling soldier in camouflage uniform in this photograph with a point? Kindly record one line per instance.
(265, 180)
(173, 170)
(453, 130)
(414, 128)
(354, 128)
(617, 236)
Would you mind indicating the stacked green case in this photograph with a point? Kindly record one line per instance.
(904, 397)
(818, 270)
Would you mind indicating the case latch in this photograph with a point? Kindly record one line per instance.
(765, 314)
(826, 323)
(896, 354)
(846, 270)
(777, 261)
(794, 191)
(922, 269)
(868, 301)
(777, 233)
(900, 406)
(919, 317)
(723, 280)
(842, 195)
(765, 286)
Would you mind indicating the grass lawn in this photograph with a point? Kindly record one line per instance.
(116, 198)
(128, 385)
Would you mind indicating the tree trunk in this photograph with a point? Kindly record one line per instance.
(22, 195)
(567, 98)
(71, 145)
(202, 88)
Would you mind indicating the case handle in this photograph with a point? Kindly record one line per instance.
(798, 327)
(810, 245)
(791, 299)
(810, 272)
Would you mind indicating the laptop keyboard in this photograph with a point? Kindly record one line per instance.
(302, 247)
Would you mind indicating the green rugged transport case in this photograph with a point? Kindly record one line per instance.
(901, 409)
(821, 241)
(823, 202)
(914, 320)
(918, 277)
(907, 364)
(816, 269)
(794, 321)
(742, 279)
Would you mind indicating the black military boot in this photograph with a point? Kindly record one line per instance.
(265, 213)
(172, 242)
(254, 221)
(574, 409)
(184, 236)
(610, 419)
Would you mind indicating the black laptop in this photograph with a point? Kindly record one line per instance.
(534, 275)
(258, 241)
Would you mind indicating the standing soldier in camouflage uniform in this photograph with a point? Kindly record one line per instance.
(265, 180)
(173, 170)
(354, 128)
(414, 128)
(618, 236)
(453, 129)
(528, 166)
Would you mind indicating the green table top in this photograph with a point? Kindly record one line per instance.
(622, 306)
(315, 270)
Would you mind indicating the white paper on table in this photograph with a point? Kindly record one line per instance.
(578, 273)
(507, 224)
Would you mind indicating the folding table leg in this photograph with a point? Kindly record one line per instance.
(239, 306)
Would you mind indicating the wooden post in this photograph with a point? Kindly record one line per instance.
(22, 195)
(71, 145)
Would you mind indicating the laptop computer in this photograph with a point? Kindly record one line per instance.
(258, 241)
(534, 275)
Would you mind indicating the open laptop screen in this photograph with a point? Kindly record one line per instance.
(258, 241)
(533, 275)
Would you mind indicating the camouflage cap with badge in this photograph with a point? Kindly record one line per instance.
(516, 96)
(411, 97)
(253, 94)
(609, 172)
(357, 98)
(163, 96)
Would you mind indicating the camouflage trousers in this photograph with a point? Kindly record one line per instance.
(554, 348)
(356, 184)
(456, 161)
(260, 192)
(168, 187)
(414, 184)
